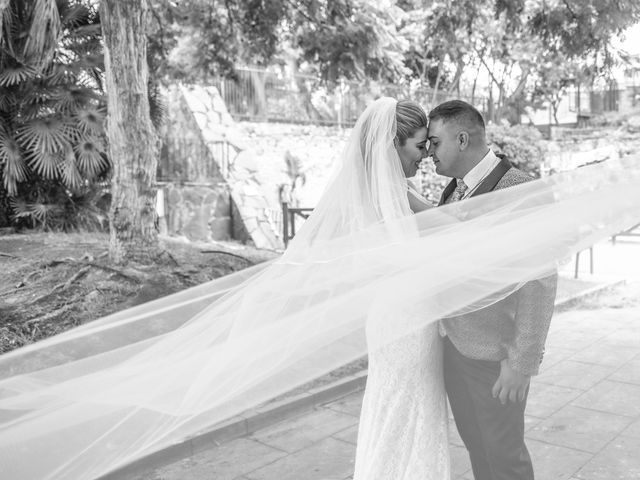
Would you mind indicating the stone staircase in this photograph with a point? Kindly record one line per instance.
(209, 177)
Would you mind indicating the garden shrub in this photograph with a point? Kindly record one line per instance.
(523, 146)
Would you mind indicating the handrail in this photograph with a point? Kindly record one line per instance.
(289, 220)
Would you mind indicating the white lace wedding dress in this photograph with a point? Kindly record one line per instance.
(403, 432)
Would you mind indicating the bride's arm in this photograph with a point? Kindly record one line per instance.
(417, 202)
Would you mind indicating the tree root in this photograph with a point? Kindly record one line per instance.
(133, 275)
(130, 274)
(62, 286)
(75, 277)
(171, 257)
(50, 315)
(227, 253)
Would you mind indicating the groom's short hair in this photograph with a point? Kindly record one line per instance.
(461, 112)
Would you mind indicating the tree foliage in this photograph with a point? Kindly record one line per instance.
(575, 39)
(443, 44)
(196, 40)
(52, 142)
(352, 39)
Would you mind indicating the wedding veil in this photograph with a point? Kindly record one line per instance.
(83, 403)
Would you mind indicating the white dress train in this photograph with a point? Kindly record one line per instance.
(403, 432)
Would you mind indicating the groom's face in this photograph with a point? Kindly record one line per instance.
(443, 147)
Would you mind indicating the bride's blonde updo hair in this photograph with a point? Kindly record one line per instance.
(410, 117)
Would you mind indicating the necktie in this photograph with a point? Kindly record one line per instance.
(459, 192)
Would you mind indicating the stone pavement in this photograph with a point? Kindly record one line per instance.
(582, 418)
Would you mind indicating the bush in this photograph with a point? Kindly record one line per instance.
(430, 183)
(48, 205)
(523, 146)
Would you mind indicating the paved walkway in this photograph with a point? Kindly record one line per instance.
(582, 418)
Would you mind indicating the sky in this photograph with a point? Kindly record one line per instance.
(632, 40)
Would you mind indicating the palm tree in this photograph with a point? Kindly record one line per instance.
(52, 107)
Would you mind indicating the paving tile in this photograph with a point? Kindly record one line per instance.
(544, 399)
(553, 355)
(226, 462)
(555, 462)
(570, 339)
(605, 355)
(579, 428)
(624, 337)
(348, 434)
(612, 397)
(300, 432)
(629, 372)
(585, 322)
(568, 319)
(351, 404)
(633, 430)
(460, 463)
(575, 374)
(620, 460)
(329, 459)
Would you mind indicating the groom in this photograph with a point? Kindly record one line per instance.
(490, 354)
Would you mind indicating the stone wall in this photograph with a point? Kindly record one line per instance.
(198, 212)
(573, 147)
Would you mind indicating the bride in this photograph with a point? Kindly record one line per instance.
(403, 423)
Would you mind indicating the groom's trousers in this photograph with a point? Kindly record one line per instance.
(493, 433)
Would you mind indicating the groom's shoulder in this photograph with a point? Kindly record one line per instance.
(513, 177)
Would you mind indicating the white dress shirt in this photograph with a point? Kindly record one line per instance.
(478, 173)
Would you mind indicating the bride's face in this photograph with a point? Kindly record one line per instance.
(412, 152)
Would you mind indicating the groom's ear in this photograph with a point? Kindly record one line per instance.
(463, 140)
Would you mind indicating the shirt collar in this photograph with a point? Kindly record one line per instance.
(480, 171)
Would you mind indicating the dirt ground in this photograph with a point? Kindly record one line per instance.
(50, 282)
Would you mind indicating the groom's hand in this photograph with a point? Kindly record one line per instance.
(511, 385)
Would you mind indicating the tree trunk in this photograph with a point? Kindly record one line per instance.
(475, 80)
(258, 83)
(455, 83)
(434, 96)
(508, 101)
(312, 112)
(555, 103)
(133, 142)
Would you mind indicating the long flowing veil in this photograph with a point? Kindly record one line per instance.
(83, 403)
